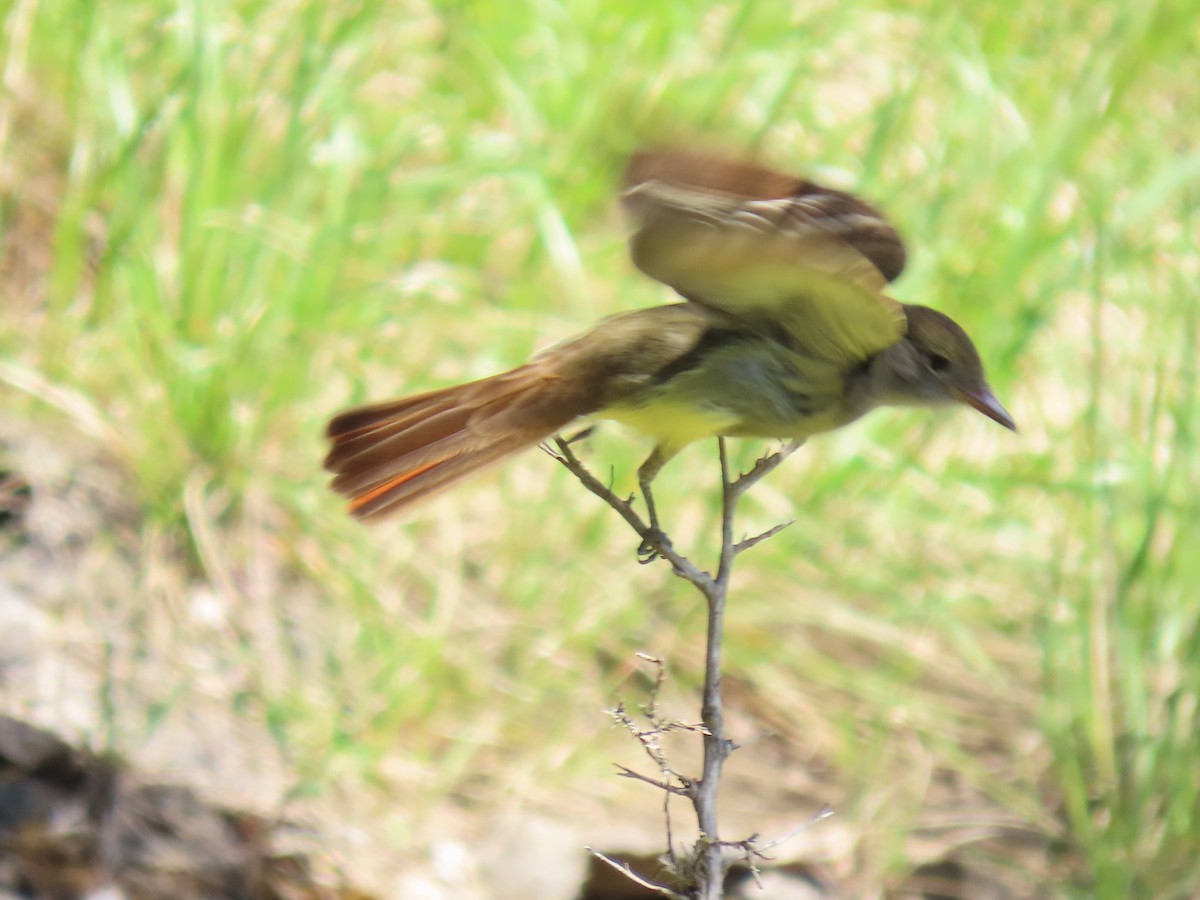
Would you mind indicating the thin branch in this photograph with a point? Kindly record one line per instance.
(716, 747)
(653, 747)
(708, 870)
(626, 772)
(682, 566)
(633, 876)
(660, 674)
(750, 856)
(668, 773)
(744, 545)
(649, 738)
(796, 832)
(765, 466)
(671, 857)
(730, 494)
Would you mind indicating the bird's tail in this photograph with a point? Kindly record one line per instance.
(389, 455)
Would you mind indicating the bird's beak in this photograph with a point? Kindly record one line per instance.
(982, 399)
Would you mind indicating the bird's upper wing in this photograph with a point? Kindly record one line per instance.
(762, 245)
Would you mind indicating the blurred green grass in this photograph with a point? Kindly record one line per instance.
(224, 221)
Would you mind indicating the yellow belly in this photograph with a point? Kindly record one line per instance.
(675, 425)
(672, 425)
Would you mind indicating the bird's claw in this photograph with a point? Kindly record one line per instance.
(652, 546)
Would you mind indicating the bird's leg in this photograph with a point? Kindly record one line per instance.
(580, 435)
(655, 539)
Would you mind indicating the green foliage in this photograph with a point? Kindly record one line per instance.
(256, 213)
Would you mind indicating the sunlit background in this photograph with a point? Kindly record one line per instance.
(225, 220)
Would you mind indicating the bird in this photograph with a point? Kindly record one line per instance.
(783, 329)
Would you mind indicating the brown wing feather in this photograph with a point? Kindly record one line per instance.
(763, 246)
(665, 185)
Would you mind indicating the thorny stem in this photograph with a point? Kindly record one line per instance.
(702, 791)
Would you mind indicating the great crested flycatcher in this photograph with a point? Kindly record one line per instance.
(785, 331)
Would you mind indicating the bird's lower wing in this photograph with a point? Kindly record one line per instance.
(821, 290)
(760, 246)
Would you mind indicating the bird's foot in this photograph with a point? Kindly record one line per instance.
(653, 545)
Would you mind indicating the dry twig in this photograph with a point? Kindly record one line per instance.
(708, 863)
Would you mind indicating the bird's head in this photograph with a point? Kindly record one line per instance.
(941, 365)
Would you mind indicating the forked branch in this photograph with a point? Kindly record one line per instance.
(706, 872)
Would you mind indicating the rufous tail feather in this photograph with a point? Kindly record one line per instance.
(387, 456)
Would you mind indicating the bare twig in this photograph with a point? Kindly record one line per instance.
(751, 852)
(750, 856)
(765, 466)
(650, 739)
(626, 772)
(633, 876)
(707, 864)
(825, 813)
(682, 566)
(660, 674)
(745, 544)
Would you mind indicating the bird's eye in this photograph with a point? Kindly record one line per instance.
(938, 363)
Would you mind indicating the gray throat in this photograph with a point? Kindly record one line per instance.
(895, 377)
